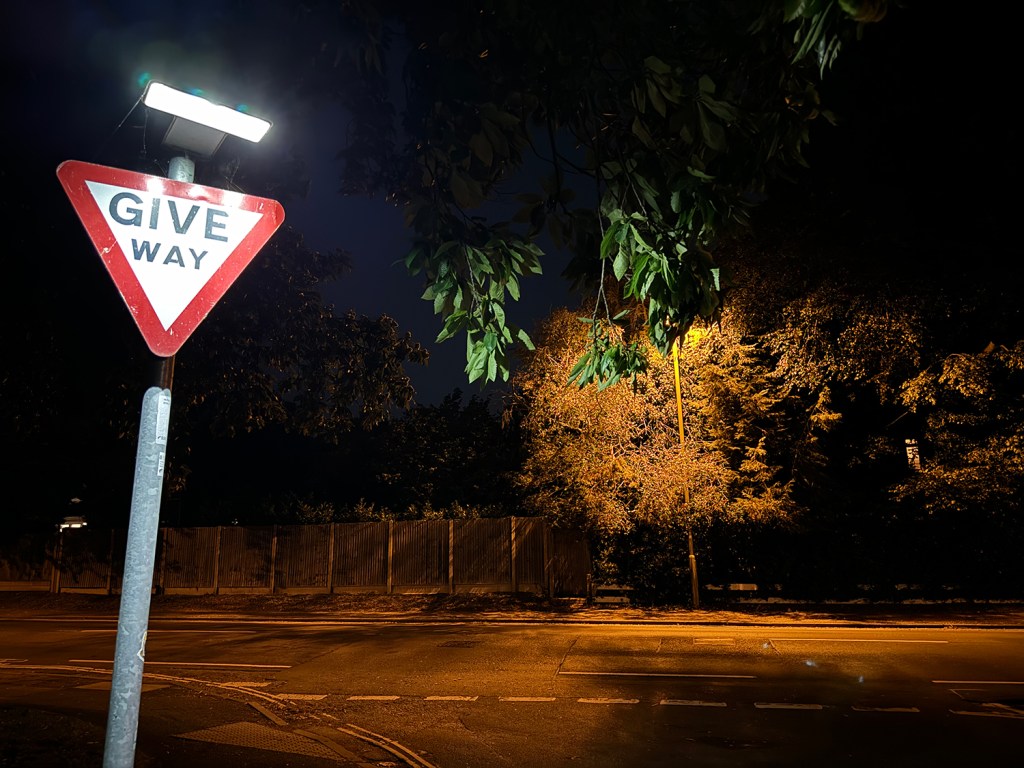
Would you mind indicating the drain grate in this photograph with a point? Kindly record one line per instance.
(257, 736)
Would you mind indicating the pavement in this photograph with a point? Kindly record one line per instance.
(60, 720)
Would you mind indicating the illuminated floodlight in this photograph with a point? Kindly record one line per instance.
(200, 125)
(72, 521)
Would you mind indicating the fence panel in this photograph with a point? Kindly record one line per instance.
(420, 554)
(246, 559)
(361, 556)
(85, 560)
(27, 560)
(302, 558)
(483, 553)
(188, 561)
(407, 556)
(530, 533)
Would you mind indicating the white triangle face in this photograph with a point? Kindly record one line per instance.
(174, 245)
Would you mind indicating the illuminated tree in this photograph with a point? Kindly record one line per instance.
(609, 460)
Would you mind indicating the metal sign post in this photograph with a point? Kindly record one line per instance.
(140, 555)
(172, 248)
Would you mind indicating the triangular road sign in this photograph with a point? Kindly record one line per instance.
(173, 248)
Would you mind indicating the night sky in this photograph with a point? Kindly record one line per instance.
(927, 119)
(74, 69)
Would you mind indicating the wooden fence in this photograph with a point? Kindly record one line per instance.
(418, 556)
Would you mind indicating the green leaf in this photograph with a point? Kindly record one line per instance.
(439, 301)
(465, 190)
(524, 337)
(482, 148)
(499, 313)
(620, 265)
(654, 94)
(513, 288)
(656, 65)
(641, 132)
(610, 237)
(444, 247)
(492, 367)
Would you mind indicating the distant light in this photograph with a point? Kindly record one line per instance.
(73, 521)
(193, 108)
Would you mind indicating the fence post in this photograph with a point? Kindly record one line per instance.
(330, 558)
(548, 574)
(163, 561)
(514, 549)
(58, 562)
(110, 563)
(391, 554)
(451, 557)
(273, 561)
(216, 562)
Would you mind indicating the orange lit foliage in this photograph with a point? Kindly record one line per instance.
(609, 459)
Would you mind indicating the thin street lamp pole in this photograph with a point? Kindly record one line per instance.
(694, 584)
(140, 554)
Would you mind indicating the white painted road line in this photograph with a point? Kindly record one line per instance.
(244, 685)
(657, 674)
(301, 696)
(853, 640)
(691, 703)
(978, 682)
(1006, 713)
(773, 705)
(526, 698)
(608, 701)
(186, 664)
(178, 631)
(452, 698)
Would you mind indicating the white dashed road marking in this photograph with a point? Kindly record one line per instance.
(781, 705)
(657, 674)
(526, 698)
(452, 698)
(186, 664)
(853, 640)
(691, 703)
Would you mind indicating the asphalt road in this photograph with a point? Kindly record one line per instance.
(496, 693)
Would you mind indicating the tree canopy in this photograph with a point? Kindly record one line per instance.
(668, 117)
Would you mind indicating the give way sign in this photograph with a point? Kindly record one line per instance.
(173, 248)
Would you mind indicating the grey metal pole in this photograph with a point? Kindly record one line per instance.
(140, 555)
